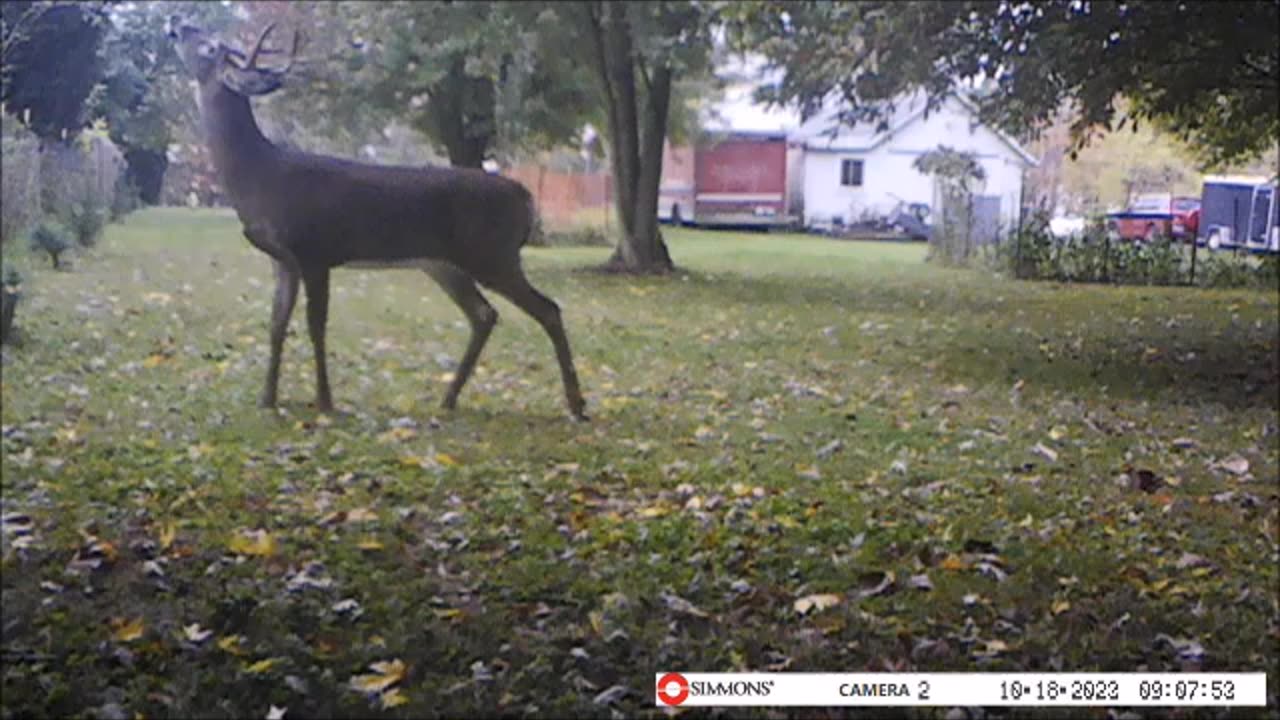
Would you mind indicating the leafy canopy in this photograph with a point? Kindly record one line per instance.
(1205, 71)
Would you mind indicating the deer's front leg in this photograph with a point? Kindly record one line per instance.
(281, 311)
(316, 281)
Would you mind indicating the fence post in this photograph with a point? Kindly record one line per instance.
(1194, 245)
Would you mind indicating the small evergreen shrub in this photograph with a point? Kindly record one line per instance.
(51, 239)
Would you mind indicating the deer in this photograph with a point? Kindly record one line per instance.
(312, 213)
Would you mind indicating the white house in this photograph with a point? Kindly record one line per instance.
(861, 173)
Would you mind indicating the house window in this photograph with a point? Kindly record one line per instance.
(851, 173)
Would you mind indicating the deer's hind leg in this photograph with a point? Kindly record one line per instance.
(516, 288)
(463, 291)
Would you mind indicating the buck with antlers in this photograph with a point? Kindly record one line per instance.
(311, 214)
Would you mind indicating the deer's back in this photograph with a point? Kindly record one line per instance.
(345, 211)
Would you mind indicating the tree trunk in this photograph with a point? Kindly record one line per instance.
(465, 135)
(637, 167)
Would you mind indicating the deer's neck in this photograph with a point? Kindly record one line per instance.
(241, 153)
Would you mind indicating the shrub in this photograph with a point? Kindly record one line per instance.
(1225, 270)
(52, 239)
(538, 236)
(10, 294)
(124, 199)
(579, 236)
(85, 220)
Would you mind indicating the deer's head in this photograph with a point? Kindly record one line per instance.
(212, 63)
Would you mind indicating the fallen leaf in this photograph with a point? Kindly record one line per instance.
(231, 644)
(261, 666)
(392, 698)
(127, 630)
(817, 603)
(167, 535)
(920, 582)
(1235, 465)
(255, 542)
(276, 713)
(447, 460)
(875, 583)
(195, 633)
(385, 674)
(1045, 452)
(675, 603)
(1060, 606)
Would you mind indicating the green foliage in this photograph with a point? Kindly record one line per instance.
(584, 236)
(10, 294)
(48, 62)
(85, 220)
(477, 79)
(50, 238)
(1035, 254)
(125, 198)
(1205, 71)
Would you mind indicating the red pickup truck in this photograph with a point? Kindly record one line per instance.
(1153, 216)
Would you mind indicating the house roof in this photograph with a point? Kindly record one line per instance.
(862, 137)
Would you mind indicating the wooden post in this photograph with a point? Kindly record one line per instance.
(1194, 245)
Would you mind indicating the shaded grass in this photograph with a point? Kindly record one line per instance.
(130, 410)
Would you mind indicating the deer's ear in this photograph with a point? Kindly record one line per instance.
(250, 82)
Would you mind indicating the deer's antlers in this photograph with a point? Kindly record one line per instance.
(250, 62)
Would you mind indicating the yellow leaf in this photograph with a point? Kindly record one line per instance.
(412, 461)
(393, 698)
(740, 489)
(261, 666)
(361, 514)
(448, 613)
(817, 602)
(154, 361)
(447, 459)
(256, 542)
(385, 674)
(653, 511)
(369, 544)
(167, 535)
(397, 434)
(128, 630)
(953, 562)
(1057, 432)
(1060, 607)
(597, 621)
(231, 644)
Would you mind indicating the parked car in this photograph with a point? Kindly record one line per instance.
(1156, 215)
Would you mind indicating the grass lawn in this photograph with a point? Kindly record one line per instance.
(950, 471)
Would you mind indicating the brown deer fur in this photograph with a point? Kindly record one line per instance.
(312, 213)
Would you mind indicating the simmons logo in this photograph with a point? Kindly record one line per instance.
(674, 689)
